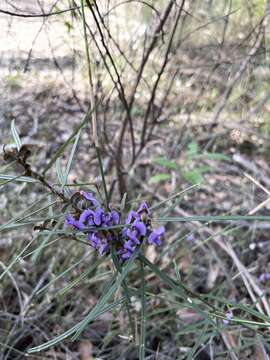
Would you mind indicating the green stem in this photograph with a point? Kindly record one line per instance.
(143, 313)
(102, 177)
(126, 293)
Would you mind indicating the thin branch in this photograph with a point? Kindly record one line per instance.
(236, 78)
(93, 106)
(166, 58)
(150, 49)
(122, 92)
(10, 13)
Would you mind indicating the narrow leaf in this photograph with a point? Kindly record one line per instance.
(159, 177)
(143, 314)
(11, 178)
(62, 148)
(215, 218)
(71, 331)
(15, 135)
(169, 164)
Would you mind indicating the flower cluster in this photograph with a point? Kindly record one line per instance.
(101, 232)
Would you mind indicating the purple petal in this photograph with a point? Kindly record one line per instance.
(85, 215)
(129, 246)
(109, 237)
(229, 317)
(94, 239)
(160, 231)
(90, 197)
(131, 217)
(115, 217)
(111, 218)
(132, 235)
(70, 221)
(126, 255)
(140, 227)
(143, 208)
(154, 239)
(263, 277)
(103, 248)
(155, 236)
(88, 215)
(106, 219)
(98, 216)
(125, 232)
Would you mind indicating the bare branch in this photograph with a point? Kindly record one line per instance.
(10, 13)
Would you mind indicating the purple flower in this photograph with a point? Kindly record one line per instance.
(128, 250)
(133, 237)
(137, 230)
(103, 248)
(126, 255)
(115, 217)
(85, 215)
(93, 217)
(229, 317)
(138, 227)
(98, 215)
(112, 218)
(129, 246)
(263, 277)
(155, 236)
(143, 208)
(94, 239)
(190, 238)
(99, 244)
(132, 216)
(76, 224)
(89, 196)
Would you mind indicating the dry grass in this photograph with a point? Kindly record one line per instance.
(202, 136)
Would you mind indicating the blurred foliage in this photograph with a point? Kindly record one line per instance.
(192, 168)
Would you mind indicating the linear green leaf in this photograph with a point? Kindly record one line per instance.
(98, 309)
(17, 178)
(201, 339)
(35, 258)
(71, 331)
(71, 157)
(63, 273)
(82, 276)
(179, 289)
(106, 297)
(62, 148)
(215, 218)
(61, 177)
(159, 177)
(126, 291)
(174, 196)
(143, 314)
(15, 135)
(162, 161)
(21, 217)
(16, 258)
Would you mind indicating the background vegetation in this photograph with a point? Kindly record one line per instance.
(181, 93)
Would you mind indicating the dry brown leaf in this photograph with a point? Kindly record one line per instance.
(189, 316)
(85, 350)
(213, 273)
(260, 353)
(151, 253)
